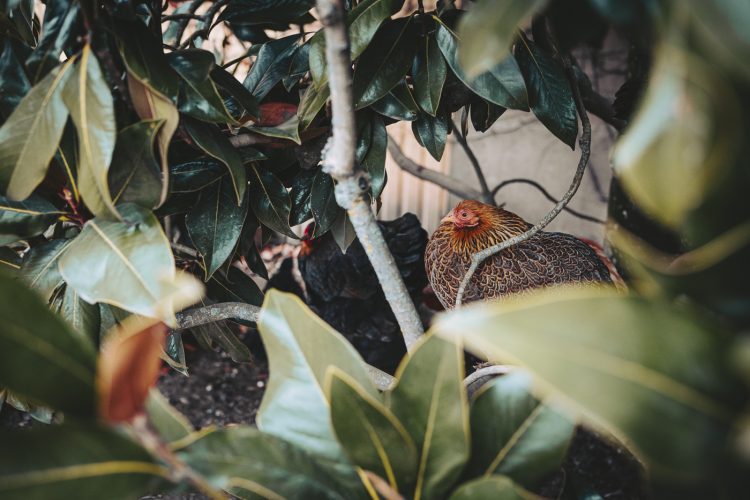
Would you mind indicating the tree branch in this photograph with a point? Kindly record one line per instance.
(486, 194)
(585, 143)
(239, 310)
(446, 182)
(352, 188)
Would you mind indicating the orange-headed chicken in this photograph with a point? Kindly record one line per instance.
(545, 259)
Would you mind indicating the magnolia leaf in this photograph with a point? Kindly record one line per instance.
(83, 317)
(398, 104)
(40, 357)
(215, 223)
(127, 369)
(432, 133)
(429, 72)
(550, 96)
(373, 437)
(215, 144)
(40, 267)
(128, 265)
(168, 422)
(62, 462)
(253, 464)
(29, 137)
(195, 175)
(311, 103)
(134, 175)
(343, 231)
(270, 200)
(490, 488)
(430, 401)
(22, 219)
(323, 204)
(488, 29)
(515, 434)
(617, 371)
(87, 96)
(199, 97)
(288, 130)
(271, 65)
(300, 348)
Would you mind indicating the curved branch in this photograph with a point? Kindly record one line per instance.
(546, 194)
(585, 143)
(486, 194)
(353, 185)
(446, 182)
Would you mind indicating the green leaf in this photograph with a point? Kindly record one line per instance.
(617, 371)
(374, 161)
(220, 333)
(271, 65)
(252, 464)
(432, 133)
(288, 130)
(29, 137)
(550, 96)
(87, 96)
(373, 437)
(234, 286)
(168, 422)
(323, 204)
(515, 434)
(490, 488)
(311, 103)
(429, 72)
(199, 97)
(134, 175)
(40, 267)
(385, 62)
(13, 81)
(83, 317)
(195, 175)
(503, 84)
(216, 145)
(300, 196)
(125, 264)
(398, 104)
(363, 20)
(484, 114)
(22, 219)
(300, 348)
(343, 231)
(236, 90)
(41, 358)
(10, 262)
(488, 29)
(58, 32)
(75, 462)
(430, 401)
(214, 223)
(270, 200)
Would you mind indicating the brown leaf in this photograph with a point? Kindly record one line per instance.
(128, 367)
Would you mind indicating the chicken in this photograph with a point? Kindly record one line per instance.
(343, 290)
(545, 259)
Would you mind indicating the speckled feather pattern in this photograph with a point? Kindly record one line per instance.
(543, 260)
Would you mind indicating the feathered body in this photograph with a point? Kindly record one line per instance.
(543, 260)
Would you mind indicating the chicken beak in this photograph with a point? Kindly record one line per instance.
(448, 218)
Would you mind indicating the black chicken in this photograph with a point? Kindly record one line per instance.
(342, 288)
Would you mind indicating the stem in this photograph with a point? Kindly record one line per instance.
(585, 143)
(352, 189)
(184, 22)
(486, 193)
(446, 182)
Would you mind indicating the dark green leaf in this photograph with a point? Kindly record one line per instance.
(10, 262)
(215, 144)
(323, 204)
(343, 231)
(248, 248)
(373, 437)
(195, 175)
(431, 132)
(168, 422)
(490, 488)
(234, 286)
(215, 223)
(311, 103)
(134, 175)
(13, 81)
(428, 72)
(385, 62)
(253, 464)
(199, 97)
(298, 67)
(503, 84)
(58, 463)
(40, 267)
(430, 401)
(59, 30)
(550, 96)
(83, 317)
(174, 352)
(269, 200)
(220, 333)
(236, 90)
(288, 130)
(29, 137)
(374, 161)
(398, 104)
(488, 29)
(41, 358)
(484, 114)
(22, 219)
(271, 65)
(300, 195)
(515, 434)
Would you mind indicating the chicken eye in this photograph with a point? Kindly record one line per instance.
(464, 214)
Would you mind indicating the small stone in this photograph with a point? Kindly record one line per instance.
(260, 383)
(209, 388)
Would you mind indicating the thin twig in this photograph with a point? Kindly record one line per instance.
(585, 143)
(455, 186)
(175, 17)
(546, 194)
(182, 24)
(486, 194)
(353, 184)
(247, 312)
(206, 23)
